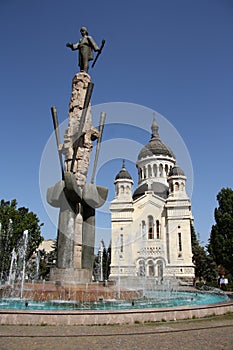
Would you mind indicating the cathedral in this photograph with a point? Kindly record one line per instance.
(151, 226)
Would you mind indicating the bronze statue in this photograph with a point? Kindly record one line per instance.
(85, 46)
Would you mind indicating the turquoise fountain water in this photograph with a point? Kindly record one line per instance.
(151, 299)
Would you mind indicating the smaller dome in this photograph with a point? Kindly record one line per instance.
(176, 171)
(123, 173)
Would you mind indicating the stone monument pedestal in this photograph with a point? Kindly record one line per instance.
(76, 199)
(70, 275)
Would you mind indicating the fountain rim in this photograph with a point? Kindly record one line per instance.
(115, 316)
(117, 311)
(111, 317)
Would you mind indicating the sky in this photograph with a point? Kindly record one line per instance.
(171, 59)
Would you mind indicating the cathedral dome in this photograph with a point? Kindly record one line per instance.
(123, 173)
(155, 146)
(176, 171)
(157, 188)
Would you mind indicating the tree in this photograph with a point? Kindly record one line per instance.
(106, 261)
(101, 267)
(13, 224)
(205, 267)
(221, 237)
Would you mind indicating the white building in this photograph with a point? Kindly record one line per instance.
(151, 228)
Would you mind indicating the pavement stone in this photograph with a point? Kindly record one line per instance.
(214, 333)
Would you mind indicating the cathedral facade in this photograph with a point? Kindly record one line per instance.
(151, 227)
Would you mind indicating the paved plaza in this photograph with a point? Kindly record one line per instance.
(213, 333)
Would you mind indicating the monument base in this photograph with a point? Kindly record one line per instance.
(70, 276)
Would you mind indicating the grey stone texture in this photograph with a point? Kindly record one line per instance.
(76, 198)
(213, 333)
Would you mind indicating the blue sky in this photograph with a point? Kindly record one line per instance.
(172, 56)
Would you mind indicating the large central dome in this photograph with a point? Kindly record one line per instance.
(155, 146)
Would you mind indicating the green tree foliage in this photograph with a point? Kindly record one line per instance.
(205, 267)
(14, 221)
(221, 237)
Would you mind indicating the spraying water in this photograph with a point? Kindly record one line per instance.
(25, 244)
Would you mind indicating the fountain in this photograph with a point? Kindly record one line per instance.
(13, 267)
(24, 251)
(70, 297)
(94, 303)
(37, 264)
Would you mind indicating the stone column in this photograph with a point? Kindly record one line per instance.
(76, 199)
(82, 158)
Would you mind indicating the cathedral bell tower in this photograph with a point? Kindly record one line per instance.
(179, 220)
(122, 217)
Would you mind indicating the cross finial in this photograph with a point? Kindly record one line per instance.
(154, 128)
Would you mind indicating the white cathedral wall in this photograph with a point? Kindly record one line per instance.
(130, 244)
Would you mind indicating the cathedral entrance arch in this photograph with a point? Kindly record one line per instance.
(141, 268)
(150, 268)
(159, 268)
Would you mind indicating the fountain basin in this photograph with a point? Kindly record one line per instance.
(92, 307)
(150, 300)
(103, 317)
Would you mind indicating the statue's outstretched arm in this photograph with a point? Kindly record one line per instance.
(73, 46)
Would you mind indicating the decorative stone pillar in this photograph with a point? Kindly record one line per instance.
(82, 158)
(76, 199)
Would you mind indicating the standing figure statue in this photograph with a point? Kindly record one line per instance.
(85, 46)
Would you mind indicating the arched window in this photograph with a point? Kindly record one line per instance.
(141, 268)
(160, 269)
(166, 169)
(150, 227)
(144, 172)
(155, 170)
(140, 173)
(160, 170)
(176, 186)
(171, 187)
(179, 242)
(143, 229)
(122, 189)
(122, 243)
(149, 171)
(151, 268)
(157, 229)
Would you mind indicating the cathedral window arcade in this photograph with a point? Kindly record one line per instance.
(123, 189)
(151, 268)
(177, 186)
(154, 170)
(153, 229)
